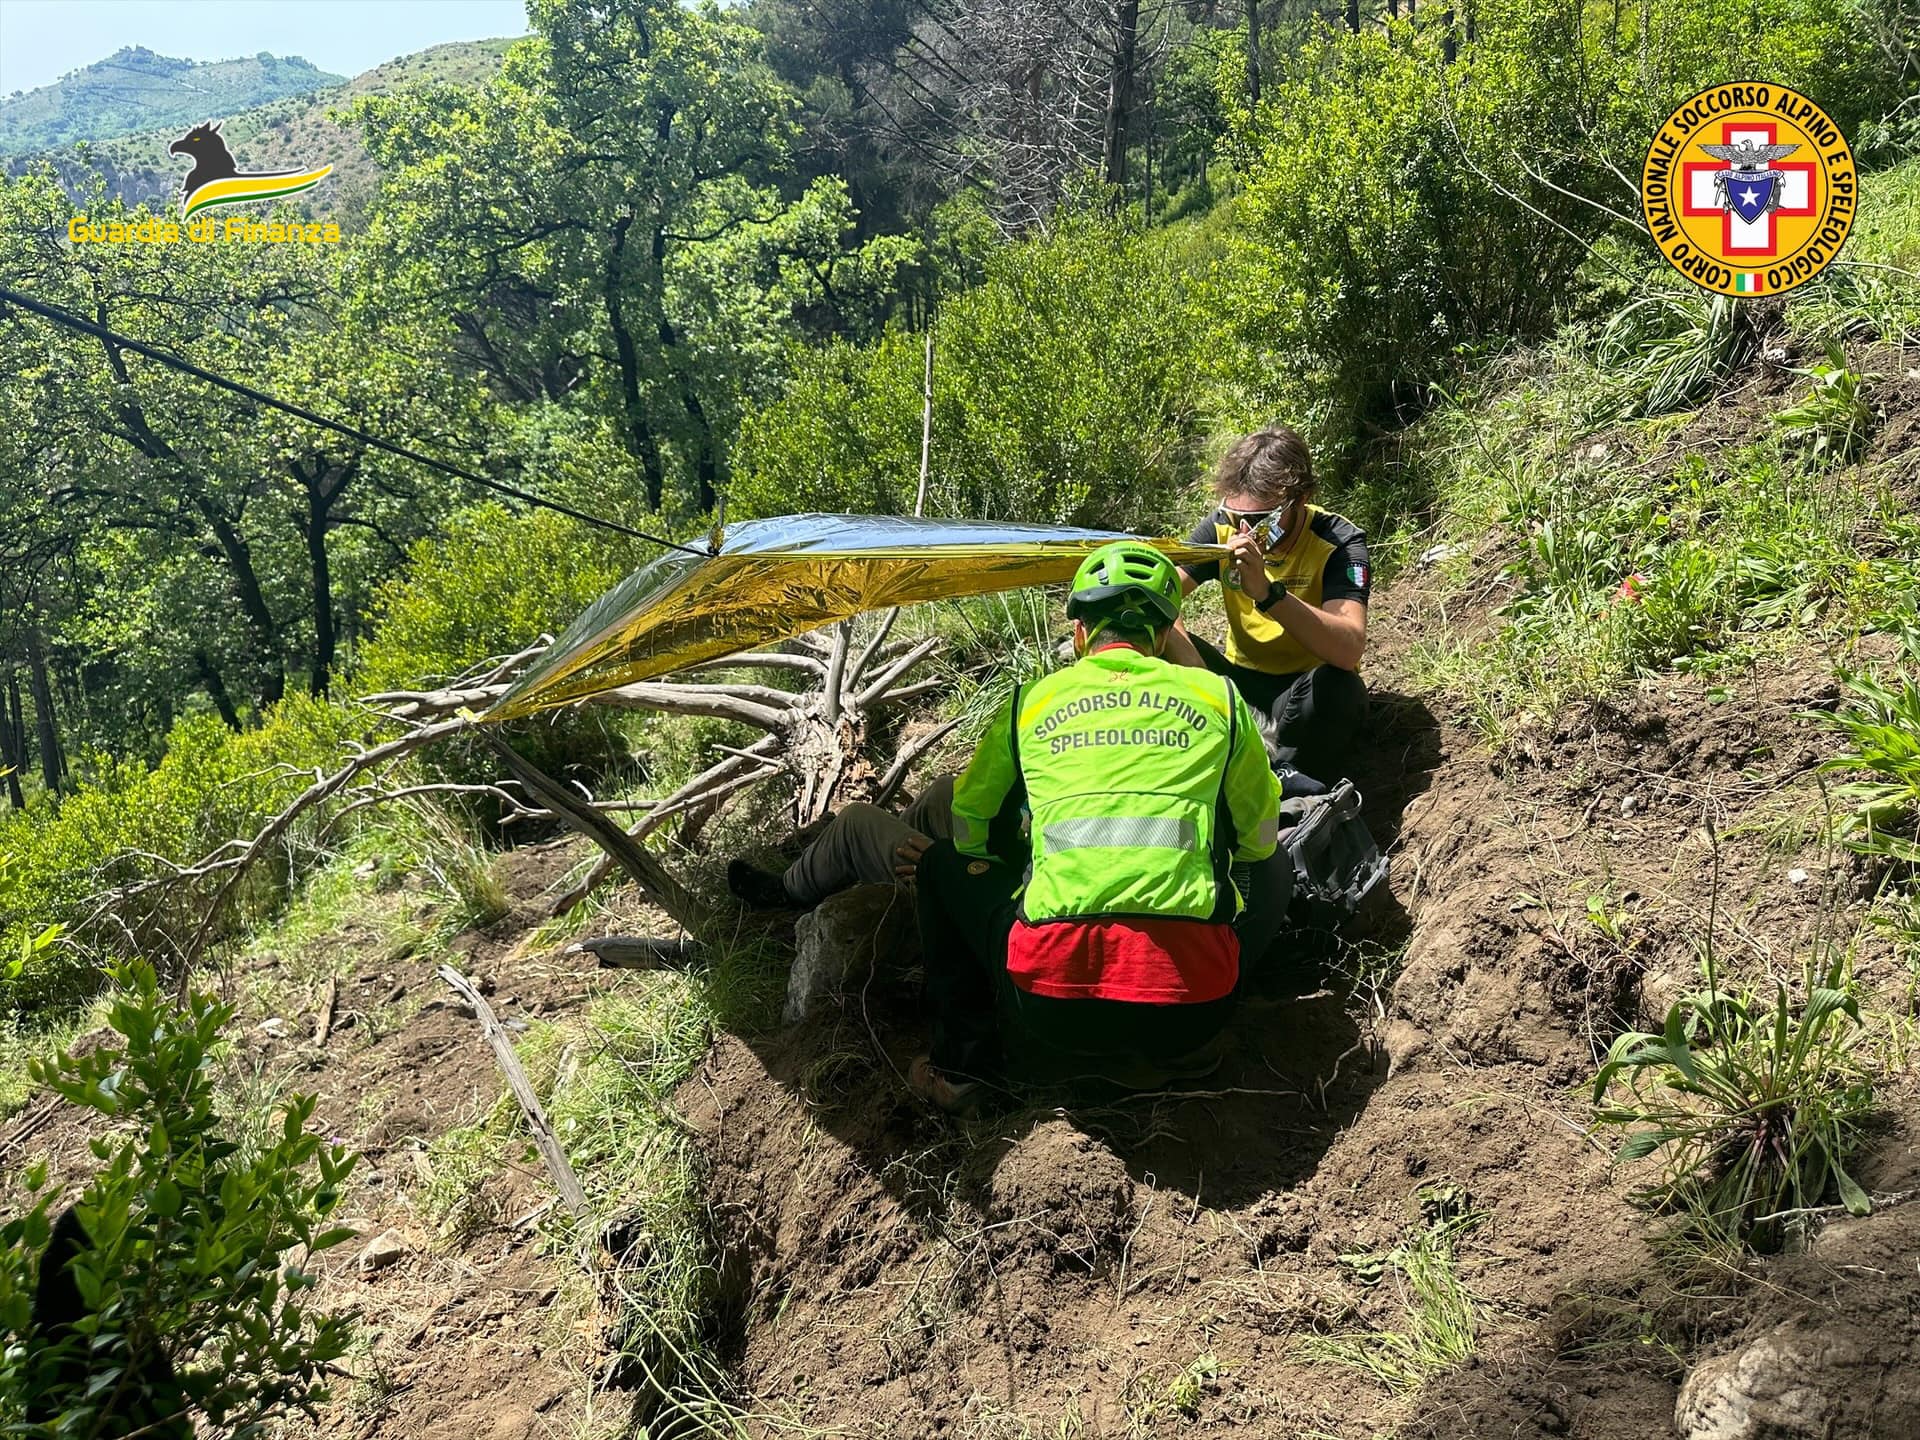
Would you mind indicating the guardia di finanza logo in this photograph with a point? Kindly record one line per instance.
(1749, 189)
(216, 178)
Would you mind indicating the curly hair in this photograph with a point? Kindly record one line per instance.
(1272, 464)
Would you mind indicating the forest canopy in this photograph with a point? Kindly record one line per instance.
(670, 254)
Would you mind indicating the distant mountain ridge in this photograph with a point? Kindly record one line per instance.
(291, 132)
(137, 89)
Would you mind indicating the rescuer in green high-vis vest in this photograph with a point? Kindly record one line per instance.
(1084, 902)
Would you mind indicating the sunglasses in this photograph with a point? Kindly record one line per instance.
(1269, 525)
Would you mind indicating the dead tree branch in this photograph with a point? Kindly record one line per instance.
(548, 1144)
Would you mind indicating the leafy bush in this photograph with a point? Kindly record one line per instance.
(1882, 726)
(1383, 225)
(191, 1254)
(127, 823)
(491, 585)
(1064, 390)
(1751, 1107)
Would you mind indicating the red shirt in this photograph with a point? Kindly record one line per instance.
(1145, 960)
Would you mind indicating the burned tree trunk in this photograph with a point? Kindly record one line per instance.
(1120, 93)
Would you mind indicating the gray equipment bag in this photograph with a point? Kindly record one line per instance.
(1336, 864)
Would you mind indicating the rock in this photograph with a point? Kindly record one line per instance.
(841, 937)
(1629, 805)
(1791, 1382)
(387, 1248)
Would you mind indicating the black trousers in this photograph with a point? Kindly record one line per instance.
(1317, 714)
(977, 1014)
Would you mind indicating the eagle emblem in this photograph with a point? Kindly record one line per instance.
(1747, 186)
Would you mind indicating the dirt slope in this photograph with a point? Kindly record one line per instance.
(1080, 1261)
(1178, 1264)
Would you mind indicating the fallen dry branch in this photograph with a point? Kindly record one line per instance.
(544, 1140)
(329, 1004)
(231, 860)
(635, 952)
(816, 734)
(687, 909)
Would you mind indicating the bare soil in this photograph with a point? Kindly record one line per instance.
(899, 1274)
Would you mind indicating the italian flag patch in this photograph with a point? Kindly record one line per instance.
(1358, 575)
(1747, 284)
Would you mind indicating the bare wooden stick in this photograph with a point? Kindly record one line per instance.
(329, 1002)
(886, 679)
(831, 700)
(651, 876)
(909, 692)
(694, 793)
(544, 1140)
(723, 701)
(903, 762)
(872, 652)
(765, 659)
(380, 797)
(634, 952)
(321, 789)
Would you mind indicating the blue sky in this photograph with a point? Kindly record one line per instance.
(41, 40)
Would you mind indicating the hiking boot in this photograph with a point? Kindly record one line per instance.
(934, 1086)
(757, 889)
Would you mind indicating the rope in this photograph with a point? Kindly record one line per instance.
(187, 367)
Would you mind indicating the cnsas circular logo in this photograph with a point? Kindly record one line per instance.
(1749, 189)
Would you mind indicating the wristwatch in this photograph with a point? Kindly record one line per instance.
(1273, 596)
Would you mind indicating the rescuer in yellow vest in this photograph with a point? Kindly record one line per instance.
(1295, 586)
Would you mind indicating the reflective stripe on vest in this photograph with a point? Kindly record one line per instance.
(1153, 832)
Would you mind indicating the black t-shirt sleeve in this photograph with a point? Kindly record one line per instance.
(1348, 575)
(1203, 534)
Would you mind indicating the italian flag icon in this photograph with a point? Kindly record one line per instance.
(1747, 284)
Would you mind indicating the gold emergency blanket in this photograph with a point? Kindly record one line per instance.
(777, 578)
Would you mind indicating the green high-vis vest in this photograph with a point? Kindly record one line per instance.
(1144, 780)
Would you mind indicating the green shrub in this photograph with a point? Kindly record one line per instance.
(1882, 760)
(1064, 391)
(490, 586)
(191, 1252)
(1383, 226)
(126, 824)
(1750, 1106)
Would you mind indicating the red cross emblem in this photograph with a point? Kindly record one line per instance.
(1742, 239)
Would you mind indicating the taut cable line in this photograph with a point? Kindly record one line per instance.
(260, 397)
